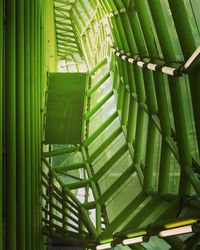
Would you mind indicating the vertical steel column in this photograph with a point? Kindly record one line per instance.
(151, 151)
(39, 138)
(10, 119)
(43, 76)
(188, 34)
(132, 120)
(169, 47)
(147, 46)
(33, 141)
(20, 125)
(37, 113)
(141, 120)
(27, 69)
(1, 123)
(163, 184)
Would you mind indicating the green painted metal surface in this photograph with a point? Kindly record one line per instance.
(140, 141)
(25, 66)
(136, 126)
(65, 104)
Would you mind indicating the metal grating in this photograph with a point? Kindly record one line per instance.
(65, 103)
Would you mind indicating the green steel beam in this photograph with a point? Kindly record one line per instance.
(10, 118)
(187, 31)
(33, 123)
(76, 185)
(132, 119)
(150, 161)
(98, 66)
(166, 132)
(37, 127)
(83, 212)
(63, 151)
(69, 167)
(138, 32)
(89, 205)
(60, 200)
(94, 189)
(67, 40)
(63, 8)
(20, 127)
(27, 68)
(178, 104)
(58, 219)
(125, 108)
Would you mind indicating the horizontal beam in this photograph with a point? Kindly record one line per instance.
(61, 151)
(69, 167)
(99, 65)
(77, 184)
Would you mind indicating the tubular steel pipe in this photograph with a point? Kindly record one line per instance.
(33, 123)
(186, 31)
(84, 214)
(131, 127)
(10, 118)
(168, 47)
(98, 66)
(27, 66)
(166, 132)
(20, 125)
(152, 138)
(37, 122)
(61, 151)
(152, 150)
(142, 46)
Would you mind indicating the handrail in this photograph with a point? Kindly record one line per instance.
(183, 68)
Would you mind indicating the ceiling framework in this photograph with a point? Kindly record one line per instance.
(138, 162)
(67, 45)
